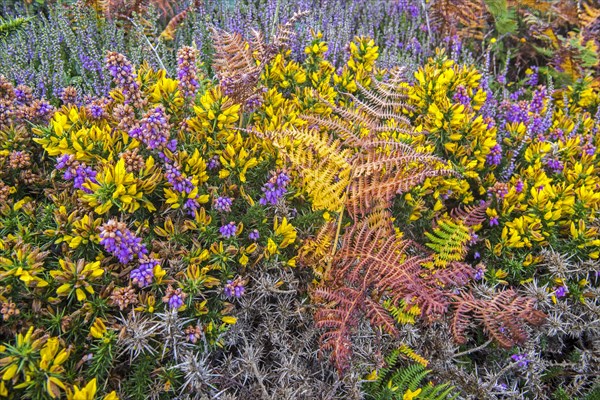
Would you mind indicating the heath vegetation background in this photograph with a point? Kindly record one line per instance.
(299, 199)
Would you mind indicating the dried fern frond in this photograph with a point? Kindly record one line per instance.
(503, 316)
(371, 264)
(169, 32)
(320, 161)
(465, 18)
(235, 65)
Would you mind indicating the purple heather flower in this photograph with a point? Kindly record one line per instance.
(223, 204)
(477, 255)
(121, 242)
(533, 78)
(153, 130)
(174, 297)
(274, 189)
(254, 235)
(124, 76)
(187, 71)
(521, 360)
(214, 163)
(556, 166)
(228, 230)
(494, 221)
(561, 291)
(143, 275)
(479, 274)
(519, 186)
(234, 288)
(461, 96)
(495, 155)
(191, 206)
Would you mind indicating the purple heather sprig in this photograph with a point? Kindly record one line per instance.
(77, 171)
(521, 360)
(254, 235)
(495, 155)
(275, 188)
(187, 73)
(143, 275)
(234, 288)
(223, 204)
(174, 297)
(121, 242)
(154, 129)
(228, 230)
(124, 76)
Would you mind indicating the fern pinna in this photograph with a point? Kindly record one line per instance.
(395, 382)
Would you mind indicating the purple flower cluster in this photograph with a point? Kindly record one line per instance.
(176, 178)
(521, 360)
(77, 171)
(537, 101)
(174, 297)
(517, 112)
(186, 71)
(461, 96)
(254, 235)
(228, 230)
(519, 186)
(234, 288)
(479, 274)
(556, 166)
(144, 273)
(154, 129)
(214, 163)
(223, 204)
(124, 77)
(561, 291)
(121, 242)
(275, 188)
(495, 155)
(533, 78)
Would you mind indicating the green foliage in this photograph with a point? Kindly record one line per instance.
(449, 242)
(395, 382)
(11, 26)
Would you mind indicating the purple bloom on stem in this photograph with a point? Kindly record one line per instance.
(143, 275)
(228, 230)
(519, 186)
(234, 288)
(479, 274)
(254, 235)
(495, 156)
(274, 189)
(121, 242)
(561, 291)
(521, 360)
(223, 204)
(214, 163)
(494, 221)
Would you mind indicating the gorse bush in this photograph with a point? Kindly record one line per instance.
(214, 201)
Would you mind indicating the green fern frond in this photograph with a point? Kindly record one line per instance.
(449, 242)
(394, 381)
(401, 313)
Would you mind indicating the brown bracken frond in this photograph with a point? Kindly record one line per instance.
(503, 316)
(239, 62)
(465, 18)
(372, 264)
